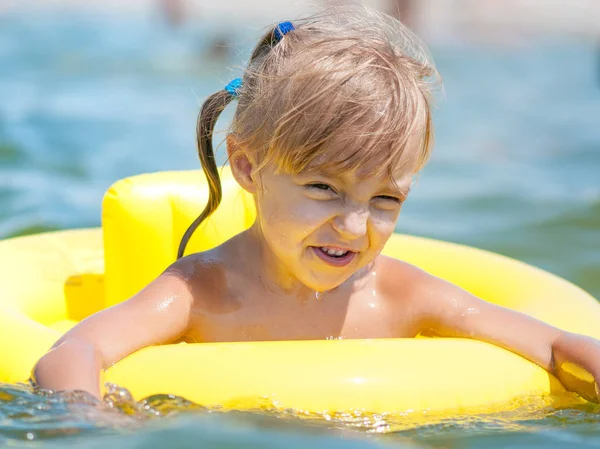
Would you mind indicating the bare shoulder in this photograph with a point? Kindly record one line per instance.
(159, 313)
(403, 280)
(200, 273)
(411, 288)
(193, 266)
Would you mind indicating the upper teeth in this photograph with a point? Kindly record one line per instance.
(333, 252)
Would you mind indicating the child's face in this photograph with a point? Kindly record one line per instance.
(323, 228)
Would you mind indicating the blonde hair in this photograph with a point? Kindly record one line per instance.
(351, 81)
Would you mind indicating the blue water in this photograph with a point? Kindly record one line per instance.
(88, 100)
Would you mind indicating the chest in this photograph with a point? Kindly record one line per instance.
(251, 315)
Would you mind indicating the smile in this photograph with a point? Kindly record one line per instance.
(336, 257)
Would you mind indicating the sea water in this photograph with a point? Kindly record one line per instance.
(516, 169)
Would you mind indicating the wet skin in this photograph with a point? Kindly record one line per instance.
(235, 306)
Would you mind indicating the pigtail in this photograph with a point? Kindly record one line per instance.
(211, 109)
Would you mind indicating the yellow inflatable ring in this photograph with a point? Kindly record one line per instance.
(50, 281)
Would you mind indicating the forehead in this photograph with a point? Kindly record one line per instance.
(399, 179)
(383, 165)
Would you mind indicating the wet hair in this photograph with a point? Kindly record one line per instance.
(350, 82)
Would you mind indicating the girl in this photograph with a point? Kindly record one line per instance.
(333, 122)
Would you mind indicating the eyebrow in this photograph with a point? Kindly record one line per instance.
(334, 175)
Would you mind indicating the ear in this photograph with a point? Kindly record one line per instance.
(242, 164)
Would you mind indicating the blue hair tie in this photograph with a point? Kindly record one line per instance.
(234, 86)
(282, 29)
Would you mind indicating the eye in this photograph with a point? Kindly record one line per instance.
(320, 187)
(389, 198)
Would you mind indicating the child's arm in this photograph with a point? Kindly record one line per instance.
(157, 314)
(450, 311)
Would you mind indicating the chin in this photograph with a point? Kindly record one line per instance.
(322, 285)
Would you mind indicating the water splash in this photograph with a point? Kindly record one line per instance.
(157, 405)
(31, 415)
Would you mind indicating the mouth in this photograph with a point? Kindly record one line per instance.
(334, 256)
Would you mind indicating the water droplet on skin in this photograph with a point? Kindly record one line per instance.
(164, 305)
(318, 295)
(470, 311)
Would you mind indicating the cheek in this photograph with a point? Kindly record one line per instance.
(289, 220)
(309, 215)
(383, 225)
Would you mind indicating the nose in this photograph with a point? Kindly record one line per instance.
(352, 222)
